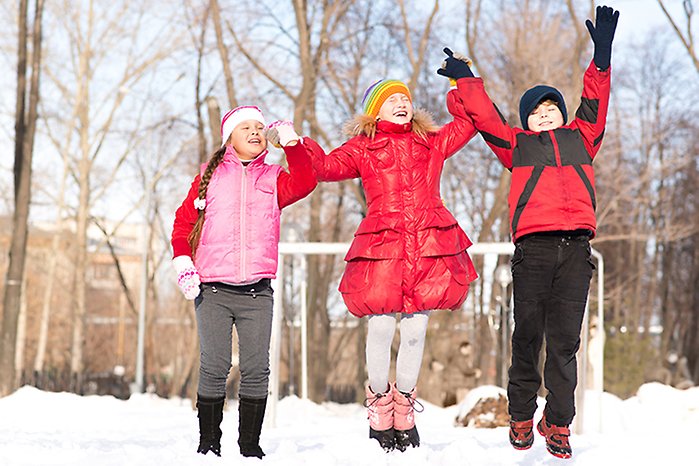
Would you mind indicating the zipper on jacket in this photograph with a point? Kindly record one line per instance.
(559, 167)
(556, 151)
(243, 226)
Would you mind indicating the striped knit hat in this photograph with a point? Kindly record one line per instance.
(234, 117)
(377, 93)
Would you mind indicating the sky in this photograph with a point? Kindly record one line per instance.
(638, 17)
(657, 426)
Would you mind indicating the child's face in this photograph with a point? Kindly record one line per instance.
(545, 117)
(248, 139)
(396, 109)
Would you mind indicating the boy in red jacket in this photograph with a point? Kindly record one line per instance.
(552, 218)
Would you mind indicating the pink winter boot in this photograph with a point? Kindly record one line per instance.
(404, 419)
(380, 413)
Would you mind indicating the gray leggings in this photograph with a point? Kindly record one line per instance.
(218, 308)
(409, 359)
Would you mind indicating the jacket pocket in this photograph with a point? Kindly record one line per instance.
(379, 155)
(266, 185)
(377, 145)
(266, 191)
(517, 257)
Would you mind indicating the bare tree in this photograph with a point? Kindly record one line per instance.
(686, 36)
(25, 126)
(96, 41)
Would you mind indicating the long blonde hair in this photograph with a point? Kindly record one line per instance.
(214, 161)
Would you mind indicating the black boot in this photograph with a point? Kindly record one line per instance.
(407, 438)
(386, 438)
(210, 416)
(251, 414)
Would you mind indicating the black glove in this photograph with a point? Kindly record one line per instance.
(455, 67)
(602, 34)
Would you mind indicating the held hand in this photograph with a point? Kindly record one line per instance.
(187, 276)
(602, 34)
(281, 133)
(455, 66)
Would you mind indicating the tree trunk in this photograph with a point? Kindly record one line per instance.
(25, 125)
(223, 53)
(50, 277)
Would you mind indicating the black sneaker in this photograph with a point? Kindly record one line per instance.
(556, 438)
(522, 434)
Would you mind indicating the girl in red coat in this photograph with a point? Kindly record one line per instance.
(409, 253)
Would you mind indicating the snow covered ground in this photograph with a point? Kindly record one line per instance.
(657, 426)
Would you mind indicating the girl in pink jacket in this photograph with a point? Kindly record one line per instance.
(225, 241)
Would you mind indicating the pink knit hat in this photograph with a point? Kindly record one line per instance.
(234, 117)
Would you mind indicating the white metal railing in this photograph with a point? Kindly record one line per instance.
(304, 249)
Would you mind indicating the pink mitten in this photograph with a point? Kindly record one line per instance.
(187, 276)
(281, 133)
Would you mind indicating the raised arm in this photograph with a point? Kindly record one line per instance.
(455, 134)
(452, 136)
(300, 180)
(591, 116)
(487, 119)
(340, 164)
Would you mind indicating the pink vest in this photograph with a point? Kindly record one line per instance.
(240, 237)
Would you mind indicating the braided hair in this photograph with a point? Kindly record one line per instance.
(214, 161)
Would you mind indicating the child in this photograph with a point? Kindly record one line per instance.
(552, 218)
(409, 253)
(229, 226)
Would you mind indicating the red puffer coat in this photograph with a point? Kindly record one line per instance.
(409, 253)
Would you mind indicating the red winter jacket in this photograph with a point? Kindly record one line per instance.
(409, 253)
(553, 184)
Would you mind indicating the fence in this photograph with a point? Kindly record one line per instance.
(500, 275)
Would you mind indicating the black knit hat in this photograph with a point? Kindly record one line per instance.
(534, 96)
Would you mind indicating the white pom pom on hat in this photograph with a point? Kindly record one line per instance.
(236, 116)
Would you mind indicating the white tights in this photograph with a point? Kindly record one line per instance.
(409, 359)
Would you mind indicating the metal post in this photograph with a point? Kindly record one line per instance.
(304, 330)
(138, 385)
(598, 363)
(582, 371)
(504, 337)
(598, 380)
(503, 275)
(275, 348)
(598, 375)
(290, 319)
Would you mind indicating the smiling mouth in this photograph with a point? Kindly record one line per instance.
(255, 141)
(401, 113)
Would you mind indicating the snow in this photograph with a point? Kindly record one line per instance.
(658, 425)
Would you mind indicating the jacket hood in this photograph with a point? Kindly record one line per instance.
(363, 124)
